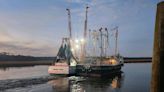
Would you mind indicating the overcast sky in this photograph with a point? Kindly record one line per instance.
(35, 27)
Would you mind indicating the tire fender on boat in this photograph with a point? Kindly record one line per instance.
(83, 69)
(89, 69)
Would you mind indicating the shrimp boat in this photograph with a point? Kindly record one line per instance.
(65, 63)
(69, 63)
(101, 65)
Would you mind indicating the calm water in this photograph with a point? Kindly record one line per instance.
(136, 77)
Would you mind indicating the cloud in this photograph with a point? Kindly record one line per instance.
(9, 43)
(4, 36)
(28, 49)
(36, 28)
(79, 1)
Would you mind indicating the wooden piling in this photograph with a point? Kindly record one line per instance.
(158, 51)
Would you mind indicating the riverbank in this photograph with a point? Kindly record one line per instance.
(4, 57)
(24, 63)
(137, 59)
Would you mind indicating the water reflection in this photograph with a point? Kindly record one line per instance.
(22, 72)
(7, 68)
(4, 68)
(60, 85)
(116, 83)
(88, 84)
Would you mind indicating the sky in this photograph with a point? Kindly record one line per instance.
(35, 27)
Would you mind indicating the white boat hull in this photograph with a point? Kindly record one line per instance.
(61, 69)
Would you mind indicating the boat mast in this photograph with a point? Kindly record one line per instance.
(89, 36)
(69, 23)
(101, 44)
(107, 37)
(116, 39)
(85, 33)
(85, 25)
(116, 43)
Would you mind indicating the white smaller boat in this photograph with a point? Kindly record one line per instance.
(62, 68)
(65, 64)
(59, 68)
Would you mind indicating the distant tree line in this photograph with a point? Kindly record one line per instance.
(4, 56)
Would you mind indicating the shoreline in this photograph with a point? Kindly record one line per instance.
(23, 63)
